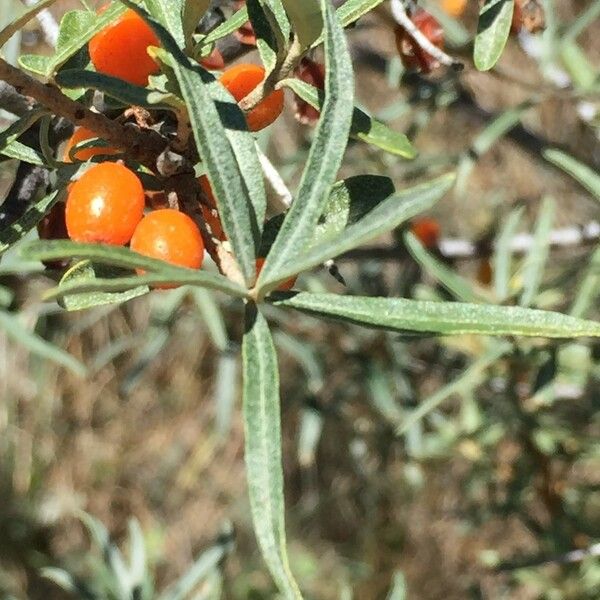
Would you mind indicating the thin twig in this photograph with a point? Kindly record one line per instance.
(282, 199)
(402, 18)
(142, 146)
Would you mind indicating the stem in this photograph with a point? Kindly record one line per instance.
(144, 147)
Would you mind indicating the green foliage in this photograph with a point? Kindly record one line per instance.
(325, 220)
(492, 32)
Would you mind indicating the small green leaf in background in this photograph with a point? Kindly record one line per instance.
(18, 333)
(588, 178)
(502, 259)
(445, 318)
(169, 13)
(495, 19)
(262, 429)
(535, 262)
(461, 288)
(364, 127)
(465, 382)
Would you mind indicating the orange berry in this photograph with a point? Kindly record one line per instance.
(82, 134)
(171, 236)
(121, 49)
(454, 8)
(105, 205)
(427, 231)
(285, 286)
(412, 55)
(240, 81)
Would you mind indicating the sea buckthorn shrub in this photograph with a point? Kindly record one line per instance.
(344, 346)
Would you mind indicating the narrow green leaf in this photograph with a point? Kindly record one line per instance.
(76, 29)
(25, 153)
(17, 332)
(502, 259)
(446, 318)
(227, 27)
(306, 20)
(212, 316)
(64, 580)
(125, 92)
(584, 19)
(588, 178)
(22, 226)
(262, 427)
(86, 272)
(272, 31)
(535, 263)
(8, 31)
(461, 288)
(581, 69)
(193, 11)
(233, 169)
(325, 156)
(495, 18)
(349, 201)
(235, 208)
(202, 567)
(169, 13)
(388, 215)
(398, 590)
(352, 10)
(467, 381)
(364, 127)
(10, 135)
(589, 289)
(158, 271)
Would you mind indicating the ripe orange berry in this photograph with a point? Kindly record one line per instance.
(169, 235)
(121, 49)
(105, 205)
(427, 231)
(454, 8)
(412, 55)
(286, 286)
(240, 81)
(82, 134)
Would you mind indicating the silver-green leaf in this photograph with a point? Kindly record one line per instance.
(262, 427)
(445, 318)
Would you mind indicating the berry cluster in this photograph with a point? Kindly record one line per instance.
(108, 203)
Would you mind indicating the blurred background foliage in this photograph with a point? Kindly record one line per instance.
(415, 467)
